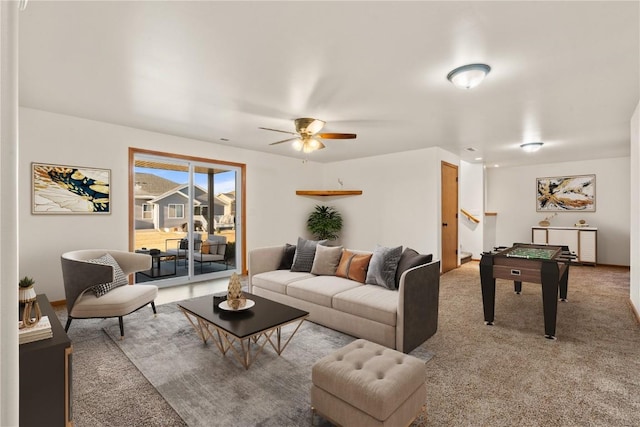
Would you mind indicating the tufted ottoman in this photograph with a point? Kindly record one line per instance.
(366, 384)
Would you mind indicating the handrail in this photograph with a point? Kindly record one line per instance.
(471, 217)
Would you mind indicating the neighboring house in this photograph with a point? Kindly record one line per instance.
(161, 204)
(147, 187)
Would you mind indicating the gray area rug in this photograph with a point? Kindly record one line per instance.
(206, 388)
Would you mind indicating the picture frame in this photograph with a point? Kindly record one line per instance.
(63, 189)
(566, 193)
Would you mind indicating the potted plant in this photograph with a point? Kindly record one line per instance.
(27, 297)
(325, 223)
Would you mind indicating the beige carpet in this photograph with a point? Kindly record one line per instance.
(510, 375)
(502, 375)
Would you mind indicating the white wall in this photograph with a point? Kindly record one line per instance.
(471, 187)
(635, 208)
(399, 204)
(274, 213)
(511, 193)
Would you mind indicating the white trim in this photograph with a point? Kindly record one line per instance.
(9, 357)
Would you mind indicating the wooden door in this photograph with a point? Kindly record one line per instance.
(449, 244)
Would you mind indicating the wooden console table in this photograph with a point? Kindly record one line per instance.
(581, 240)
(45, 376)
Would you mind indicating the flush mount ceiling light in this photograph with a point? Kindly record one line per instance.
(530, 147)
(468, 76)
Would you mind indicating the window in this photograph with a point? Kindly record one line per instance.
(176, 211)
(147, 211)
(176, 198)
(201, 210)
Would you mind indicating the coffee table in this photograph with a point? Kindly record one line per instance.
(244, 332)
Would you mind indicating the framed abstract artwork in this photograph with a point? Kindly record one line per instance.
(566, 193)
(61, 189)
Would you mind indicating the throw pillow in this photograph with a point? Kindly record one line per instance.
(119, 278)
(204, 248)
(353, 266)
(326, 260)
(305, 253)
(383, 266)
(409, 259)
(287, 257)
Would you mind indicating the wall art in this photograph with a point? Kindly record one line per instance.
(59, 189)
(566, 193)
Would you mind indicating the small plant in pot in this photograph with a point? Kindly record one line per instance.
(27, 298)
(325, 223)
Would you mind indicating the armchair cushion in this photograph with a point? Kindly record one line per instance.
(119, 278)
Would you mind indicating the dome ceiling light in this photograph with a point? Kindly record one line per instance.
(468, 76)
(531, 147)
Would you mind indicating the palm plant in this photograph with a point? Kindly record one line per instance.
(325, 223)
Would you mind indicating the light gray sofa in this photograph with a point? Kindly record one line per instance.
(399, 319)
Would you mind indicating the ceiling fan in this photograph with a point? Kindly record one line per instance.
(307, 138)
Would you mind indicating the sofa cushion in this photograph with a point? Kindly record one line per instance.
(320, 289)
(305, 254)
(409, 259)
(119, 278)
(326, 260)
(353, 266)
(287, 257)
(370, 302)
(278, 280)
(383, 266)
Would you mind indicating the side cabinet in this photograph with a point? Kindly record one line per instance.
(45, 376)
(581, 240)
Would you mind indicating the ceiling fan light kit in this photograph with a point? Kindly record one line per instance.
(306, 137)
(531, 147)
(468, 76)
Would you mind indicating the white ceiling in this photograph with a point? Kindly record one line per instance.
(566, 73)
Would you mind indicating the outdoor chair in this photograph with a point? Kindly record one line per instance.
(81, 276)
(214, 249)
(180, 247)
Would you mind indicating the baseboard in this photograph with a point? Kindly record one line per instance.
(58, 303)
(634, 311)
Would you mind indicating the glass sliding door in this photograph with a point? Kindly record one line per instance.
(185, 215)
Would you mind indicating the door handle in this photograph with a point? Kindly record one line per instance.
(444, 224)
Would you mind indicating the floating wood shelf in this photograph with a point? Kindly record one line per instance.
(328, 192)
(491, 214)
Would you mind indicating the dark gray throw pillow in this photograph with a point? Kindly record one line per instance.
(409, 259)
(383, 266)
(305, 254)
(287, 257)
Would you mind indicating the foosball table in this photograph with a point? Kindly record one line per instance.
(523, 262)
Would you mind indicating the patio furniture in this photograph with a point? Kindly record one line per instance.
(180, 247)
(213, 249)
(80, 275)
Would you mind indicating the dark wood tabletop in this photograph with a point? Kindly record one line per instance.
(264, 315)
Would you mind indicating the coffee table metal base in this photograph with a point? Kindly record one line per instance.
(249, 347)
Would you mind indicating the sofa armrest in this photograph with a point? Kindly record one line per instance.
(264, 259)
(418, 306)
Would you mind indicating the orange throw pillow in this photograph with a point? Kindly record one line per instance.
(204, 248)
(353, 266)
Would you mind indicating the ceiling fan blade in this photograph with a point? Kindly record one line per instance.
(337, 135)
(277, 130)
(308, 125)
(284, 140)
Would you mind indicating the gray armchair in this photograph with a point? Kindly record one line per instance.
(79, 276)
